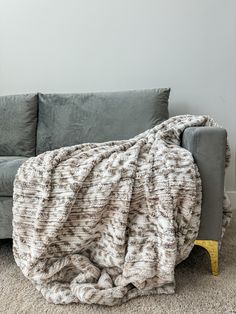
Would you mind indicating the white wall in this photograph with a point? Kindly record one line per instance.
(94, 45)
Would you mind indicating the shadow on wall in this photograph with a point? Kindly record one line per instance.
(176, 109)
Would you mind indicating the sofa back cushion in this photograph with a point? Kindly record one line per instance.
(70, 119)
(18, 119)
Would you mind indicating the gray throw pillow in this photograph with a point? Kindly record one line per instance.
(18, 119)
(70, 119)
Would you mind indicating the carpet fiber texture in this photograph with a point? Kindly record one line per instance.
(197, 290)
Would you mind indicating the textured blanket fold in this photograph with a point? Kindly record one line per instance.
(103, 223)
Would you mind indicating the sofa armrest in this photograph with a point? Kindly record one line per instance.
(208, 146)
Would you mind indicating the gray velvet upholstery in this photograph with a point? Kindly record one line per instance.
(69, 119)
(5, 217)
(208, 146)
(18, 118)
(8, 168)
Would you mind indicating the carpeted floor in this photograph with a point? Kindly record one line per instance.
(197, 290)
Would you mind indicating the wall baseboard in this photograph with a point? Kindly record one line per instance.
(232, 197)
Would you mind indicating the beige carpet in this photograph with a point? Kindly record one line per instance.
(197, 290)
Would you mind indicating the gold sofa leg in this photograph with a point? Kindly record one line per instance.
(212, 248)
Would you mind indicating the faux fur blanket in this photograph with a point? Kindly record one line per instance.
(103, 223)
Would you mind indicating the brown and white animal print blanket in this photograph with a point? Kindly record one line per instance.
(104, 223)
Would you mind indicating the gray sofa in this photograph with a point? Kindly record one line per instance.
(34, 123)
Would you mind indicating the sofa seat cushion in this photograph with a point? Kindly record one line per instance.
(8, 169)
(18, 120)
(70, 119)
